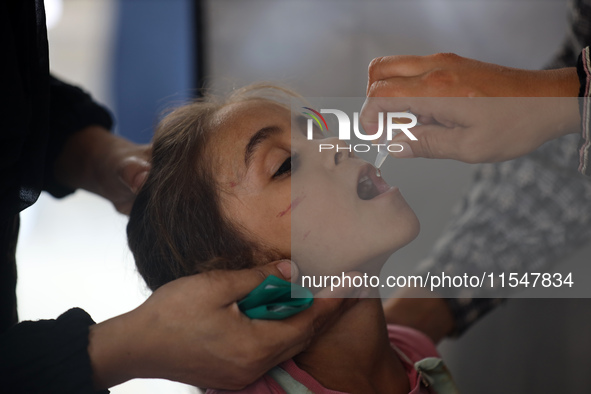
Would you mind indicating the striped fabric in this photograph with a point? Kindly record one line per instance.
(584, 70)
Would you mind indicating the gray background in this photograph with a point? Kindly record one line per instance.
(322, 49)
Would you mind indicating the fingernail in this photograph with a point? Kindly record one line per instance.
(285, 267)
(405, 151)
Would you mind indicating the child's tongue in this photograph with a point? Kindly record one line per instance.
(371, 185)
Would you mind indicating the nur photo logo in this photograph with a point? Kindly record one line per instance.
(383, 135)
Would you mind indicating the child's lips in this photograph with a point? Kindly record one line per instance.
(369, 184)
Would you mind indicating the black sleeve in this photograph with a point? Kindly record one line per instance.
(39, 112)
(47, 356)
(71, 110)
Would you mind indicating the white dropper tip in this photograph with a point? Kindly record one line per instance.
(380, 158)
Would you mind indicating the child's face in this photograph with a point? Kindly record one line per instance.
(287, 195)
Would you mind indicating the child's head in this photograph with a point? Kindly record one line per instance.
(232, 187)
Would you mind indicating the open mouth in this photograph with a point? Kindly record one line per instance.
(370, 184)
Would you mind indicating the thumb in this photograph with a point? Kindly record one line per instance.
(284, 269)
(433, 141)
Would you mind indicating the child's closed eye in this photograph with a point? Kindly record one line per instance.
(286, 167)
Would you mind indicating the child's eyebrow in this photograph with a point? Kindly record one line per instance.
(256, 139)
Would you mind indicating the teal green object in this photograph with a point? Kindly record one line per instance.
(435, 375)
(272, 300)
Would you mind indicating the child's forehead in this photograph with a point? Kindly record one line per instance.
(236, 123)
(255, 110)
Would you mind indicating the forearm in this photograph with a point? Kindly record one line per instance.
(561, 82)
(564, 117)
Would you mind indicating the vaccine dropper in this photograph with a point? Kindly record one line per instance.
(381, 157)
(382, 154)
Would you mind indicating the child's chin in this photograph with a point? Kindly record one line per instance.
(411, 229)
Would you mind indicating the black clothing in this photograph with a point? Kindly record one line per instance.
(39, 113)
(52, 359)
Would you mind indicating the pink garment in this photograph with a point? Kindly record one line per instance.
(414, 344)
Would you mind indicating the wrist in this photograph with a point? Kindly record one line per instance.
(561, 82)
(560, 89)
(113, 357)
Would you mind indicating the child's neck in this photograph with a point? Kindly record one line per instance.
(355, 355)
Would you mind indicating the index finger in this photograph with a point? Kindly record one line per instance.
(387, 67)
(374, 106)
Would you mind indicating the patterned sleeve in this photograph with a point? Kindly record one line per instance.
(523, 215)
(584, 72)
(529, 213)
